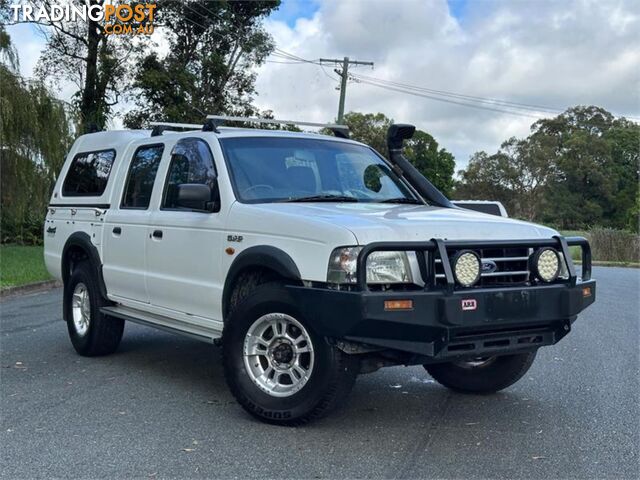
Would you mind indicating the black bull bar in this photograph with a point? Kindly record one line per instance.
(506, 319)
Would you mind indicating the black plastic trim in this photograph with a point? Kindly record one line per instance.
(83, 241)
(260, 256)
(104, 206)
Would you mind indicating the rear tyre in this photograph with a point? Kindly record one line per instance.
(91, 332)
(482, 375)
(277, 367)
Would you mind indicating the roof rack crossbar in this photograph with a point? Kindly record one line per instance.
(341, 131)
(160, 127)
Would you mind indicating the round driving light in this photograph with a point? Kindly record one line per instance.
(546, 264)
(466, 268)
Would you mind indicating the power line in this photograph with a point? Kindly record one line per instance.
(472, 101)
(446, 100)
(408, 89)
(506, 103)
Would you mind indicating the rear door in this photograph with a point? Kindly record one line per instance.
(126, 226)
(185, 245)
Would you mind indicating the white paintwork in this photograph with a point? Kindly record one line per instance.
(182, 276)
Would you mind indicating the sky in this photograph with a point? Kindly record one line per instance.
(553, 54)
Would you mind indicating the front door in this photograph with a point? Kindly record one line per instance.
(126, 224)
(184, 245)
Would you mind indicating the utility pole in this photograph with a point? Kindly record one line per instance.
(344, 76)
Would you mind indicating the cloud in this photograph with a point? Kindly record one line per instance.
(549, 53)
(556, 54)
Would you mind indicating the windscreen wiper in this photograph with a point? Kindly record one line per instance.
(322, 198)
(401, 200)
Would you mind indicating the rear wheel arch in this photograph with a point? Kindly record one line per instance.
(255, 266)
(78, 248)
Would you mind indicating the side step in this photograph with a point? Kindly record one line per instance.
(170, 325)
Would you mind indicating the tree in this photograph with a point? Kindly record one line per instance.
(487, 178)
(595, 162)
(95, 62)
(574, 171)
(35, 137)
(213, 47)
(8, 52)
(422, 150)
(516, 176)
(370, 129)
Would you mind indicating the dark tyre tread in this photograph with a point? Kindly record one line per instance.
(498, 375)
(340, 374)
(105, 333)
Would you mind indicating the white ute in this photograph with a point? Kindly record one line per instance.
(310, 258)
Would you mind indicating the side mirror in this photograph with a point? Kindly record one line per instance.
(197, 196)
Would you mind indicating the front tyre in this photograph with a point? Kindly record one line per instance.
(276, 366)
(91, 332)
(482, 375)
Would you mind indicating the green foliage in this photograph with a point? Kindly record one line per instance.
(21, 265)
(574, 171)
(422, 150)
(96, 63)
(8, 52)
(35, 134)
(369, 128)
(213, 47)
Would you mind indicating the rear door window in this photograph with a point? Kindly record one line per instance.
(142, 175)
(88, 174)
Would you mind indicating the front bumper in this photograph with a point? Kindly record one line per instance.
(446, 323)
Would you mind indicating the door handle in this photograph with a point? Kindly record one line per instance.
(117, 230)
(157, 234)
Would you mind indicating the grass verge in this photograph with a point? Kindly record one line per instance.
(21, 265)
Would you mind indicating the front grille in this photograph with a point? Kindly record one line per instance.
(511, 267)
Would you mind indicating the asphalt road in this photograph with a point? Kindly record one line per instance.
(159, 408)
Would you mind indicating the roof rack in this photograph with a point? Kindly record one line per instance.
(341, 131)
(214, 121)
(160, 127)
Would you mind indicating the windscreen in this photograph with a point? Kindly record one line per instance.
(272, 169)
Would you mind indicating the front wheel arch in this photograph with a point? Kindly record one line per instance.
(262, 264)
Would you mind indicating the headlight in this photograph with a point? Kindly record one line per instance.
(382, 267)
(466, 268)
(546, 264)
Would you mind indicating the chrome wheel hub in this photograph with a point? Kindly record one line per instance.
(278, 354)
(81, 309)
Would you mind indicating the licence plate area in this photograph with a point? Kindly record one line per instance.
(521, 304)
